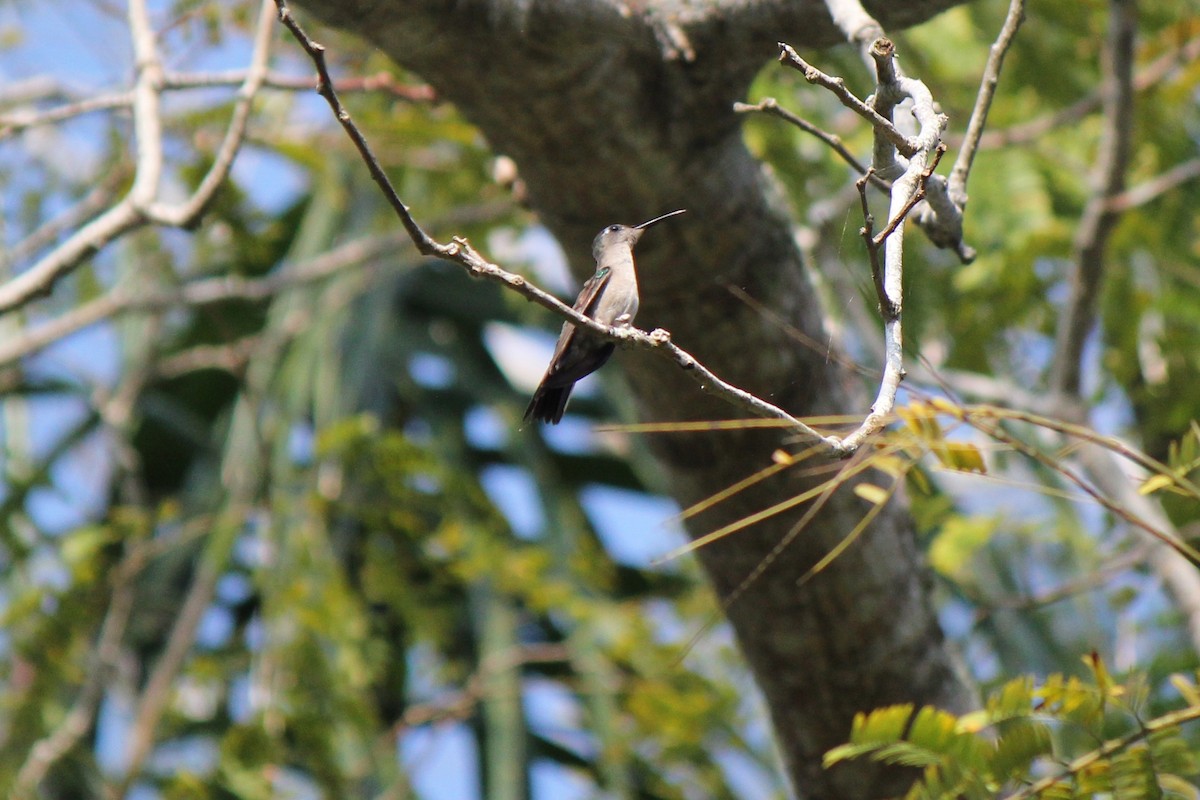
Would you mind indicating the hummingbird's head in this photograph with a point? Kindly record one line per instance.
(614, 236)
(624, 235)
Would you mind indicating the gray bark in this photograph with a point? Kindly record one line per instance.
(609, 120)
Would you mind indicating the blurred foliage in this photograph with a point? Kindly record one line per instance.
(376, 554)
(1039, 742)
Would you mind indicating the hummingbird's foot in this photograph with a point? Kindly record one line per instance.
(624, 319)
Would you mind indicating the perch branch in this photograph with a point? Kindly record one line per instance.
(460, 252)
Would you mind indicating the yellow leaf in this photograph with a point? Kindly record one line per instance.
(973, 722)
(959, 539)
(961, 456)
(946, 407)
(1177, 786)
(891, 466)
(1154, 483)
(1186, 689)
(873, 494)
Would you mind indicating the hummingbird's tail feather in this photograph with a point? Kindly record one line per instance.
(549, 403)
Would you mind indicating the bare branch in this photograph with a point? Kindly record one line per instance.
(859, 27)
(769, 105)
(939, 217)
(1090, 581)
(379, 82)
(461, 704)
(140, 206)
(116, 412)
(1150, 75)
(92, 203)
(154, 697)
(906, 191)
(1155, 187)
(16, 121)
(186, 213)
(426, 245)
(231, 357)
(132, 298)
(1099, 220)
(788, 57)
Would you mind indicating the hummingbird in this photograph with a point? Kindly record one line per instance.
(611, 298)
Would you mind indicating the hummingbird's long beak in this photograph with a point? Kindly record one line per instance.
(657, 220)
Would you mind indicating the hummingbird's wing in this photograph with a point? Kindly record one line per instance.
(575, 356)
(585, 304)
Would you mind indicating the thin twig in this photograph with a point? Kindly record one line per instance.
(1148, 76)
(154, 697)
(425, 244)
(461, 703)
(124, 299)
(184, 214)
(91, 204)
(875, 242)
(15, 122)
(789, 57)
(959, 173)
(769, 105)
(994, 430)
(379, 82)
(917, 196)
(1154, 188)
(1094, 579)
(231, 357)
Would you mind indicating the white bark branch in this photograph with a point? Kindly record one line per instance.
(141, 206)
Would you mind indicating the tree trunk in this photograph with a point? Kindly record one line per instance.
(617, 113)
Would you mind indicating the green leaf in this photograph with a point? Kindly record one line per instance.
(1021, 743)
(1172, 753)
(872, 730)
(1133, 775)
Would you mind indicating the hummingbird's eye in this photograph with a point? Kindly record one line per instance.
(614, 228)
